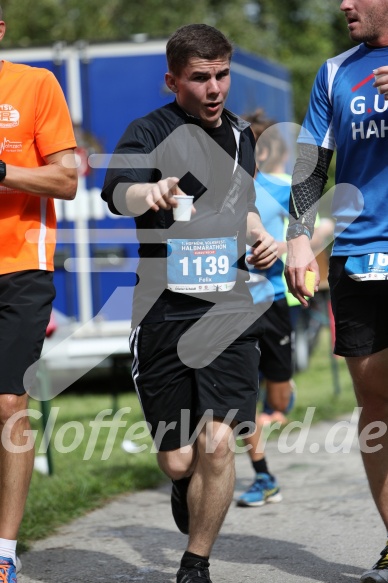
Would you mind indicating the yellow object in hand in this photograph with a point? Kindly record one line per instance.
(309, 281)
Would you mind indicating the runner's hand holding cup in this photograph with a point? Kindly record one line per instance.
(166, 194)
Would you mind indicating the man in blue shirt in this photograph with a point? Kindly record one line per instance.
(348, 112)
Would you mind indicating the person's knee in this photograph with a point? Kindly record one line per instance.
(12, 407)
(15, 429)
(372, 404)
(278, 395)
(176, 464)
(215, 445)
(369, 382)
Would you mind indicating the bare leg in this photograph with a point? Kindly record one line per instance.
(211, 488)
(278, 396)
(369, 375)
(211, 465)
(256, 451)
(15, 467)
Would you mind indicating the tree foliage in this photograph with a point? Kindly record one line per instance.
(300, 34)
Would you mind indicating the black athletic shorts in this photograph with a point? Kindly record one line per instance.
(25, 308)
(177, 384)
(360, 310)
(276, 343)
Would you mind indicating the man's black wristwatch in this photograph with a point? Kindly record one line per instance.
(3, 170)
(296, 230)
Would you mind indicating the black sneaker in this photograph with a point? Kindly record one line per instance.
(180, 510)
(195, 574)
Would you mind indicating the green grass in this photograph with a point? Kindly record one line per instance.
(79, 485)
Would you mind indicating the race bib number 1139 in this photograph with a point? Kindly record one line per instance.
(202, 265)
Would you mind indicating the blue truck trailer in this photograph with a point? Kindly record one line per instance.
(106, 87)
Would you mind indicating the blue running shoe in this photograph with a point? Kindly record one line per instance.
(263, 490)
(7, 571)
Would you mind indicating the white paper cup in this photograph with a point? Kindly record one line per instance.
(183, 211)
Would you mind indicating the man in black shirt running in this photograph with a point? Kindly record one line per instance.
(194, 340)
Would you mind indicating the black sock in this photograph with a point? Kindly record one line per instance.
(190, 560)
(260, 467)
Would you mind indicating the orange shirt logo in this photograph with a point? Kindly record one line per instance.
(9, 116)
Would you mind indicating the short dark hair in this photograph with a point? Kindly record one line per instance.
(196, 40)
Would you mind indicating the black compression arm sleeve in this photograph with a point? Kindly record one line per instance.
(308, 181)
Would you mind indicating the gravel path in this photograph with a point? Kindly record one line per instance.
(326, 529)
